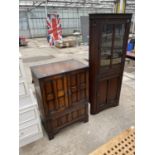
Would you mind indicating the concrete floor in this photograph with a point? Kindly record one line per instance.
(79, 138)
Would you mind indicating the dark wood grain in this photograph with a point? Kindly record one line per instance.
(62, 96)
(50, 69)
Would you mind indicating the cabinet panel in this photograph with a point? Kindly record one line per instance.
(106, 43)
(113, 85)
(118, 43)
(23, 90)
(72, 80)
(56, 93)
(78, 87)
(83, 85)
(60, 92)
(21, 70)
(60, 122)
(27, 115)
(107, 91)
(102, 92)
(29, 131)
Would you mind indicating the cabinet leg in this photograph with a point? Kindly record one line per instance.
(86, 119)
(116, 104)
(50, 137)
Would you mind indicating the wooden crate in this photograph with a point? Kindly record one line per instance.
(123, 144)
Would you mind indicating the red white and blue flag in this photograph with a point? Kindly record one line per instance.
(54, 28)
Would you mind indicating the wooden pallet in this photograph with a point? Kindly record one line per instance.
(123, 144)
(67, 42)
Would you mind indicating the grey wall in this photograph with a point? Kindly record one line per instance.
(85, 28)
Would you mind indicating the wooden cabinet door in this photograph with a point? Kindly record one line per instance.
(107, 92)
(113, 90)
(112, 46)
(102, 93)
(118, 45)
(78, 87)
(105, 46)
(55, 90)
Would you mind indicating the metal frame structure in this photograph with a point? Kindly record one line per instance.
(32, 4)
(67, 3)
(33, 13)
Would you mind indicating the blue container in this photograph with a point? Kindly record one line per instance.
(130, 47)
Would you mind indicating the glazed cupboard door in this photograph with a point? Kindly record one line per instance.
(111, 46)
(118, 44)
(55, 91)
(105, 46)
(78, 87)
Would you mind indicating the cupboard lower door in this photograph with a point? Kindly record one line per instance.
(114, 85)
(107, 93)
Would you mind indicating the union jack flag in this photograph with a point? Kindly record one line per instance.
(54, 28)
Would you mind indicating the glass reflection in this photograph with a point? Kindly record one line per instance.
(106, 43)
(119, 34)
(118, 43)
(116, 61)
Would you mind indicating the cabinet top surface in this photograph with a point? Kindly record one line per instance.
(55, 68)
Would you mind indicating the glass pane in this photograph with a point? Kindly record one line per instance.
(105, 62)
(116, 61)
(118, 43)
(119, 34)
(106, 43)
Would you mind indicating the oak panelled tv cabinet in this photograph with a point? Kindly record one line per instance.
(62, 93)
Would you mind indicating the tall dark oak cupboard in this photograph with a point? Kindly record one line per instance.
(108, 38)
(62, 93)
